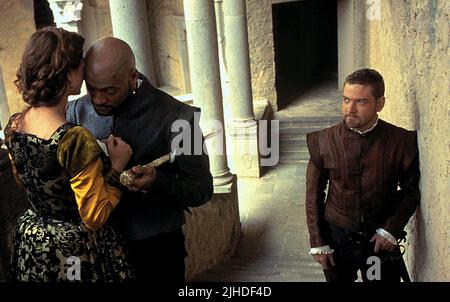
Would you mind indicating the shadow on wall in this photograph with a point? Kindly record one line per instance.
(12, 205)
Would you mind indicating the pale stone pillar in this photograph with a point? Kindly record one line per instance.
(67, 13)
(205, 79)
(4, 110)
(130, 23)
(351, 37)
(243, 129)
(221, 46)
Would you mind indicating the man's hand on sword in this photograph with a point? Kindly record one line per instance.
(144, 176)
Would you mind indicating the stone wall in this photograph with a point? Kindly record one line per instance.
(95, 21)
(212, 232)
(17, 25)
(164, 36)
(410, 47)
(262, 56)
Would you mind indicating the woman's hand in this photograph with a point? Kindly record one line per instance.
(119, 152)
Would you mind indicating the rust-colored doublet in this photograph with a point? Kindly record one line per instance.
(363, 173)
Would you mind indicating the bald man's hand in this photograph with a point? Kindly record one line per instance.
(144, 178)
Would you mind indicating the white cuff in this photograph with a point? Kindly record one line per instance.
(103, 146)
(321, 250)
(386, 235)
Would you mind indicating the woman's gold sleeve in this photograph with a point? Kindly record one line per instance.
(94, 197)
(80, 153)
(77, 149)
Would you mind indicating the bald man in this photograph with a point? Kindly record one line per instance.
(122, 102)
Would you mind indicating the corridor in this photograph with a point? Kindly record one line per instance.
(274, 243)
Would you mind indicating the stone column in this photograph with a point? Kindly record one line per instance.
(130, 23)
(67, 13)
(4, 110)
(221, 46)
(205, 79)
(243, 128)
(351, 36)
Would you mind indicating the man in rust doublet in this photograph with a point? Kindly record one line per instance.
(372, 171)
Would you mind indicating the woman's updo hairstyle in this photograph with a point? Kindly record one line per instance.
(49, 56)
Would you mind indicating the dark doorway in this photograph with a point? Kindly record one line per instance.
(305, 39)
(43, 15)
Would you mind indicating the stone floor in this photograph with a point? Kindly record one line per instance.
(274, 244)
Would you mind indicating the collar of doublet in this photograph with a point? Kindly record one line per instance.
(364, 132)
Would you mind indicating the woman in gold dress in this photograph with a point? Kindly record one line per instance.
(71, 185)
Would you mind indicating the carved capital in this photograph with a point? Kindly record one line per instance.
(66, 11)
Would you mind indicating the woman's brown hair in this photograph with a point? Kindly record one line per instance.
(49, 56)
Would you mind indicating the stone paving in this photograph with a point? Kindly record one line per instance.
(274, 243)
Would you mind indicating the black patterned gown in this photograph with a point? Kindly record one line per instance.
(51, 242)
